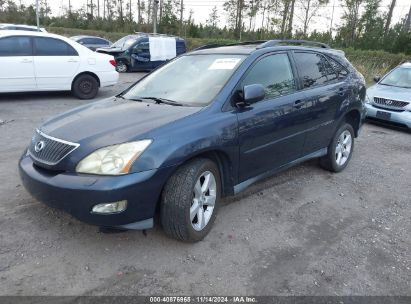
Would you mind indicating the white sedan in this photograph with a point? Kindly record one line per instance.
(37, 61)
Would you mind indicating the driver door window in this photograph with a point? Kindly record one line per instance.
(274, 73)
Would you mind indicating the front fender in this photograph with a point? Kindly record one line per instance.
(179, 141)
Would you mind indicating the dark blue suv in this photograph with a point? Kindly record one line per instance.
(144, 52)
(204, 126)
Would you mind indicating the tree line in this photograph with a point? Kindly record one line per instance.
(364, 24)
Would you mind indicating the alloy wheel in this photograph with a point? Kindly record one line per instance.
(204, 197)
(121, 67)
(343, 148)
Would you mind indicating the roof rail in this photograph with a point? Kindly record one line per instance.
(293, 41)
(247, 42)
(216, 45)
(265, 43)
(208, 46)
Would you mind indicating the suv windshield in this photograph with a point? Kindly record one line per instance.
(123, 43)
(189, 80)
(400, 77)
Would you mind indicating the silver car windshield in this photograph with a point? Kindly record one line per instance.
(400, 77)
(193, 80)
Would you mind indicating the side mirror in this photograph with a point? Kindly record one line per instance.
(377, 78)
(253, 93)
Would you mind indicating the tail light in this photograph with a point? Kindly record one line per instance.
(113, 62)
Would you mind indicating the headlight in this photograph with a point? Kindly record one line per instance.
(113, 160)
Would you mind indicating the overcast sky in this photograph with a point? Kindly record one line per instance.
(202, 9)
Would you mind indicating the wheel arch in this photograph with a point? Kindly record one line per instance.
(353, 117)
(86, 73)
(224, 165)
(126, 61)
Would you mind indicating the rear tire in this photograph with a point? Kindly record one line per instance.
(85, 87)
(340, 149)
(190, 200)
(121, 67)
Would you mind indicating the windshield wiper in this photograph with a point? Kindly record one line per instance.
(133, 99)
(155, 99)
(162, 100)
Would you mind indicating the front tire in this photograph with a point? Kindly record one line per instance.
(85, 87)
(190, 200)
(340, 150)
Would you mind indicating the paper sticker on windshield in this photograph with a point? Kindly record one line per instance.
(224, 64)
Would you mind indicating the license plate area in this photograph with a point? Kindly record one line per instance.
(383, 115)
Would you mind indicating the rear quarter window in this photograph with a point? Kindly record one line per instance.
(341, 71)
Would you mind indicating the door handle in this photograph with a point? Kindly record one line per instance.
(298, 104)
(26, 61)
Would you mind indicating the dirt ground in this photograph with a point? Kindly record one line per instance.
(302, 232)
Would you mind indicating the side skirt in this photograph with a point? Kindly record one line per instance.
(245, 184)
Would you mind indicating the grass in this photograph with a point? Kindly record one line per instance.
(372, 63)
(369, 63)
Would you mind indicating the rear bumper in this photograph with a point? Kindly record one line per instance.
(78, 193)
(108, 78)
(403, 118)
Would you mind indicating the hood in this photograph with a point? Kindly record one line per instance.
(389, 92)
(113, 121)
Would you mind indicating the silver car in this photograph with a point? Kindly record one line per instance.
(389, 100)
(92, 42)
(21, 27)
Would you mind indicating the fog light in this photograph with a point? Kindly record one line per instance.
(110, 207)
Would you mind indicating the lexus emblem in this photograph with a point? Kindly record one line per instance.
(388, 102)
(39, 146)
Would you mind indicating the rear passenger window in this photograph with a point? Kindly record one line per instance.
(338, 68)
(314, 69)
(274, 73)
(15, 46)
(52, 47)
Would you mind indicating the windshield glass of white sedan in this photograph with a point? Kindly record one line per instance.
(400, 77)
(191, 80)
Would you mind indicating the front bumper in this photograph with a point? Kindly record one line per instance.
(78, 193)
(403, 118)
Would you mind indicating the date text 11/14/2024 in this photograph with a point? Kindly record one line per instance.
(203, 299)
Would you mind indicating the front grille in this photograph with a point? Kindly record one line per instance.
(390, 103)
(49, 150)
